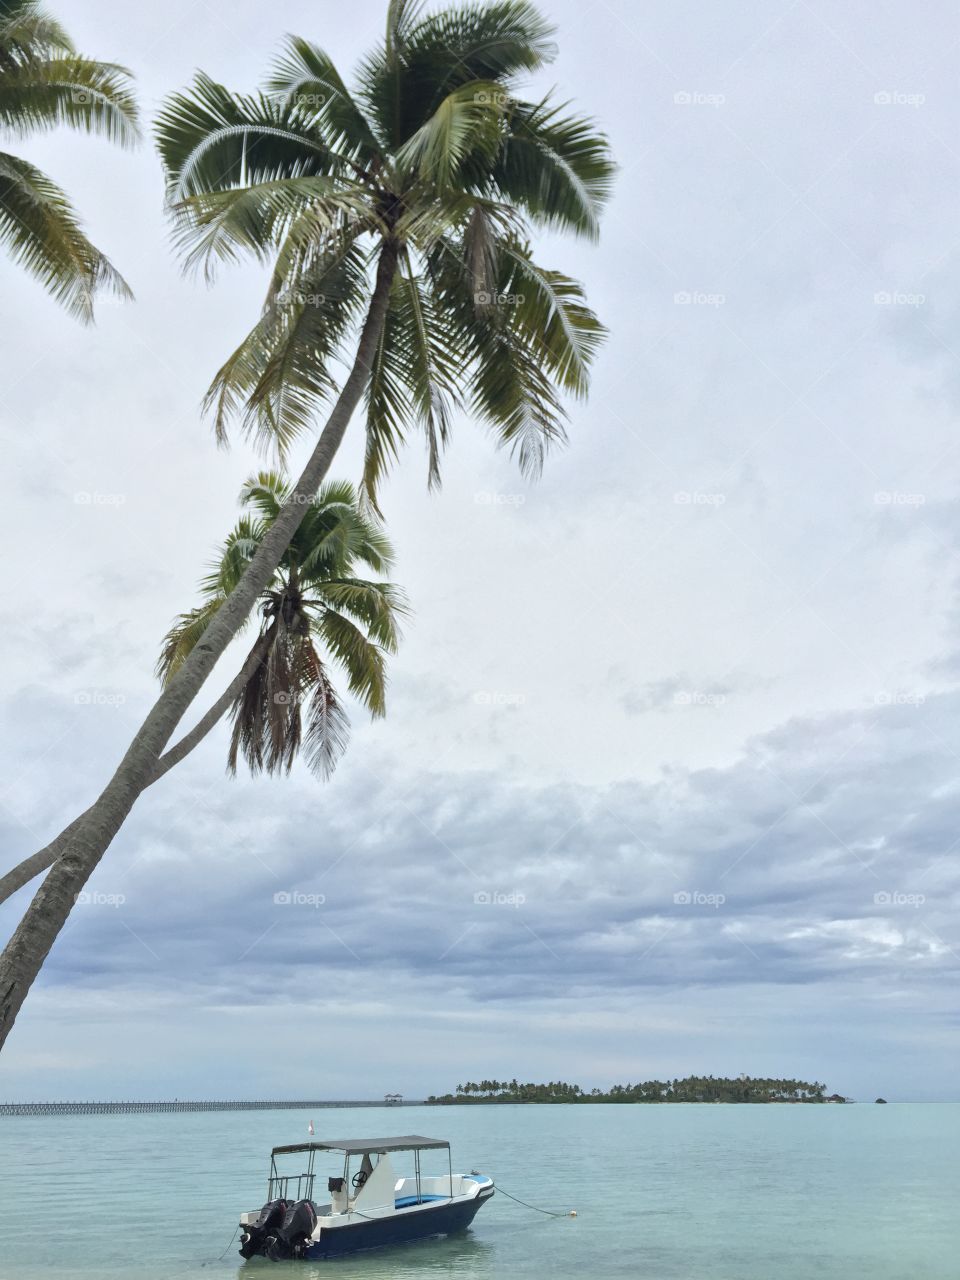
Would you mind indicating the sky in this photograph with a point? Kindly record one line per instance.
(670, 777)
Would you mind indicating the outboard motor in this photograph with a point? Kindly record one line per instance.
(271, 1220)
(291, 1238)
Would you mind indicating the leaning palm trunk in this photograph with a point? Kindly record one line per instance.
(30, 867)
(86, 840)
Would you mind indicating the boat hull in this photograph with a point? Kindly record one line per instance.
(399, 1228)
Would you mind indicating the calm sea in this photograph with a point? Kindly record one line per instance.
(718, 1192)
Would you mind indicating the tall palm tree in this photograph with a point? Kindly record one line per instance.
(45, 83)
(315, 599)
(398, 222)
(433, 171)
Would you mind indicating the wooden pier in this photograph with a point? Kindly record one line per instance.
(151, 1108)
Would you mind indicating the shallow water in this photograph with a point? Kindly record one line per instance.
(725, 1192)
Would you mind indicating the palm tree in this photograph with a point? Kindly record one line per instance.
(315, 598)
(44, 83)
(398, 220)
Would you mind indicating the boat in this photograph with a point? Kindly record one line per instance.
(370, 1205)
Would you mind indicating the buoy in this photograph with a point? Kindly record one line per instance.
(310, 1128)
(573, 1213)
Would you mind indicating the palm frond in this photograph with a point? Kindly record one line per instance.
(557, 168)
(361, 659)
(180, 640)
(466, 123)
(328, 729)
(379, 606)
(307, 77)
(260, 220)
(281, 372)
(551, 309)
(426, 57)
(95, 97)
(42, 233)
(212, 140)
(28, 32)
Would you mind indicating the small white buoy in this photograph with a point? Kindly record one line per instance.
(310, 1128)
(573, 1213)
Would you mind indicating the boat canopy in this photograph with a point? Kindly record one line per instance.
(366, 1146)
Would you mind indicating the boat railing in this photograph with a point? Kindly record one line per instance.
(280, 1186)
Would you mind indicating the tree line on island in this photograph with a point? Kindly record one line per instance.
(690, 1089)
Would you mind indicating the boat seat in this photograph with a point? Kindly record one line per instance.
(404, 1202)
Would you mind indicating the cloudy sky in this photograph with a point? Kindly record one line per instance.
(670, 780)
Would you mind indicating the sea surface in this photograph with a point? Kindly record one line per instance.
(712, 1192)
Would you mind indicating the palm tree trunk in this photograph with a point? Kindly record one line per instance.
(87, 839)
(25, 871)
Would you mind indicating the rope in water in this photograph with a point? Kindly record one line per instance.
(224, 1254)
(572, 1213)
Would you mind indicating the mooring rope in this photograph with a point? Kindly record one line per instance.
(551, 1213)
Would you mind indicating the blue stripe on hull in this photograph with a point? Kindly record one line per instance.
(374, 1233)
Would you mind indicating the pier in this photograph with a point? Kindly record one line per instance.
(152, 1108)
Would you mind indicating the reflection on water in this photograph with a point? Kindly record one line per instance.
(462, 1255)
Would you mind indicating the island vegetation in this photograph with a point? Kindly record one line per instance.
(691, 1089)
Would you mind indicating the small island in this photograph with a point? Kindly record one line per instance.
(691, 1089)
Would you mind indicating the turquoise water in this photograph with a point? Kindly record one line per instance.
(725, 1192)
